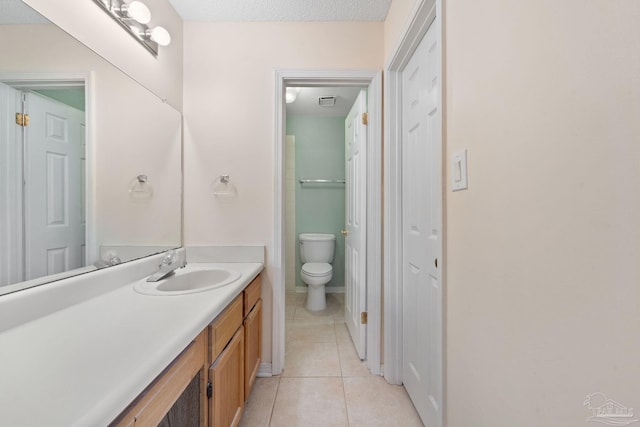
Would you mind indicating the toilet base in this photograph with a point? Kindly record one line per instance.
(316, 299)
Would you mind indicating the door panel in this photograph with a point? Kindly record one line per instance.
(54, 187)
(355, 223)
(227, 378)
(422, 195)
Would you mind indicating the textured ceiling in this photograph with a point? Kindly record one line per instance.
(282, 10)
(17, 12)
(306, 104)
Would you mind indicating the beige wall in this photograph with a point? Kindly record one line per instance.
(543, 290)
(87, 22)
(396, 22)
(229, 116)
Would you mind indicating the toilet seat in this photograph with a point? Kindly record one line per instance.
(317, 269)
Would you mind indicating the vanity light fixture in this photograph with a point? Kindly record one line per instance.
(134, 17)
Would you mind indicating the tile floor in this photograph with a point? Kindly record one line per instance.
(324, 383)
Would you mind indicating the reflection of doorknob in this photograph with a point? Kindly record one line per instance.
(344, 232)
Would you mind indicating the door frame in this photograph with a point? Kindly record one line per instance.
(424, 14)
(362, 78)
(70, 79)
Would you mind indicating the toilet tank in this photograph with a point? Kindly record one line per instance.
(317, 247)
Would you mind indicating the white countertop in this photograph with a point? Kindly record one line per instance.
(84, 364)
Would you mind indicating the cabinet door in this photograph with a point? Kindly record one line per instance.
(153, 404)
(253, 346)
(227, 378)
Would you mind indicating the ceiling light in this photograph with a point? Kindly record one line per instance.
(291, 94)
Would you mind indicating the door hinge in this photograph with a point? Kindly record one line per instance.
(363, 317)
(22, 119)
(365, 118)
(209, 390)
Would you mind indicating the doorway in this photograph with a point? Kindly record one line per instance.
(43, 195)
(325, 175)
(372, 81)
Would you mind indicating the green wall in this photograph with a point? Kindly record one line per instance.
(320, 208)
(73, 97)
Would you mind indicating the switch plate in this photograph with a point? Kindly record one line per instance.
(459, 171)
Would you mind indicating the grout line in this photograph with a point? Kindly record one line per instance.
(346, 407)
(273, 405)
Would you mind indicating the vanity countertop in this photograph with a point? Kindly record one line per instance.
(84, 364)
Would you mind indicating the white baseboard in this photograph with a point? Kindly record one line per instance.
(327, 289)
(264, 370)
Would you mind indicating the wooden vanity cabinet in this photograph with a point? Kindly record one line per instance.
(226, 376)
(163, 400)
(226, 371)
(235, 347)
(209, 382)
(252, 333)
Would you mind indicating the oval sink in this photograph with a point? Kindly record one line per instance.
(188, 282)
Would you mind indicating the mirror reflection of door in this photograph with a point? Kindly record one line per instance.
(50, 214)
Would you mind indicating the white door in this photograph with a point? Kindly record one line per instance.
(355, 300)
(11, 241)
(54, 186)
(421, 206)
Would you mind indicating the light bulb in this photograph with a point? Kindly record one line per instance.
(160, 36)
(137, 10)
(291, 94)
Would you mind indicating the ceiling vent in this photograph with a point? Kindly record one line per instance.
(327, 101)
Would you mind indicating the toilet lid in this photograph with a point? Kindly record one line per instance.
(316, 268)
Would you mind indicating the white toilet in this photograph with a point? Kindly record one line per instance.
(316, 255)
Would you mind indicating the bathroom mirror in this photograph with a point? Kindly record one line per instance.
(94, 178)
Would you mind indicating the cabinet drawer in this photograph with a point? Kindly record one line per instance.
(252, 294)
(222, 329)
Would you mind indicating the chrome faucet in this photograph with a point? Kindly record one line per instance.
(167, 267)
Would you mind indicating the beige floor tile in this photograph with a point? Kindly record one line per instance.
(289, 311)
(257, 410)
(312, 332)
(342, 334)
(304, 315)
(373, 402)
(310, 402)
(334, 308)
(294, 298)
(311, 359)
(350, 363)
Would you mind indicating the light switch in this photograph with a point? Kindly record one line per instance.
(459, 171)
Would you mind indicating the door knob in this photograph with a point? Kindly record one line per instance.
(344, 232)
(436, 262)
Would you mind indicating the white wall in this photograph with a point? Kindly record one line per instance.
(542, 295)
(229, 116)
(87, 22)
